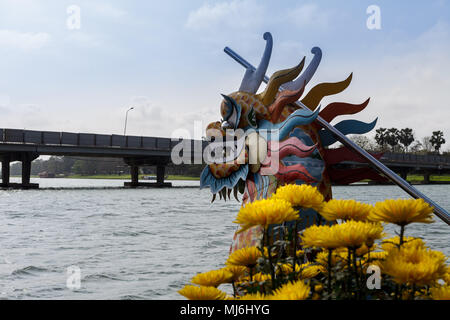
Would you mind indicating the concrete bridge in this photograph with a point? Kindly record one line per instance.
(27, 145)
(404, 163)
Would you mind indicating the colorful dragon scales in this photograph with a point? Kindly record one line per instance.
(264, 140)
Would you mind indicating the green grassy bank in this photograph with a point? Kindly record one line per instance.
(128, 177)
(419, 178)
(124, 177)
(411, 178)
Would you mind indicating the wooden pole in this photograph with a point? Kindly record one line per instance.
(438, 210)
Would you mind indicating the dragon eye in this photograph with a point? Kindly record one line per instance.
(232, 120)
(251, 118)
(233, 115)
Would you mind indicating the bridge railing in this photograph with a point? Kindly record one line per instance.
(85, 139)
(415, 158)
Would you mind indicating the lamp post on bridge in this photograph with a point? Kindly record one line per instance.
(126, 118)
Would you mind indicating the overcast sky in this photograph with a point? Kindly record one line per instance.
(166, 59)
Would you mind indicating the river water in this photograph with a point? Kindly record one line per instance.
(134, 243)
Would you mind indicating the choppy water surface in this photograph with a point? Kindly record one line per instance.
(134, 243)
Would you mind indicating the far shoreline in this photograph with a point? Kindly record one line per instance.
(116, 177)
(412, 179)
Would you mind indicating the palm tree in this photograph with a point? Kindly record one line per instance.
(406, 137)
(437, 140)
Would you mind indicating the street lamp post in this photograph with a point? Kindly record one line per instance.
(126, 118)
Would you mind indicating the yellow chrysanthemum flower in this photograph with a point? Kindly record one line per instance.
(297, 290)
(308, 270)
(375, 258)
(319, 237)
(304, 271)
(364, 249)
(257, 277)
(377, 255)
(408, 242)
(202, 293)
(283, 268)
(300, 253)
(440, 293)
(354, 234)
(345, 210)
(261, 277)
(351, 234)
(402, 212)
(304, 196)
(415, 265)
(338, 255)
(246, 257)
(446, 276)
(255, 296)
(213, 278)
(265, 212)
(237, 271)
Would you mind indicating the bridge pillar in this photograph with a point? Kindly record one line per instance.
(426, 178)
(134, 164)
(160, 171)
(134, 170)
(26, 169)
(26, 158)
(5, 170)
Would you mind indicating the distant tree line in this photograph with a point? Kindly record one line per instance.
(97, 166)
(401, 140)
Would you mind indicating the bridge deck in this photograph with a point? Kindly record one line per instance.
(86, 144)
(418, 161)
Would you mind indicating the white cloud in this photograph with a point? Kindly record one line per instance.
(5, 100)
(18, 12)
(23, 40)
(27, 116)
(84, 39)
(308, 15)
(236, 14)
(408, 84)
(253, 15)
(105, 9)
(146, 110)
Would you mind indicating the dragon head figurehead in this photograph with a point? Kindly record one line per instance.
(268, 139)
